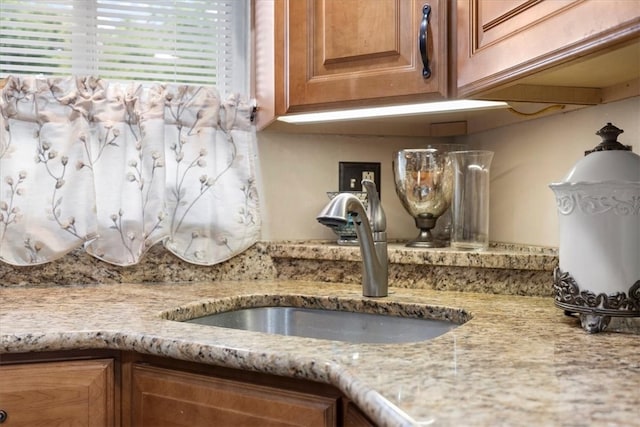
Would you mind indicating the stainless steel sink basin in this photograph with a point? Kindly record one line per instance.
(349, 326)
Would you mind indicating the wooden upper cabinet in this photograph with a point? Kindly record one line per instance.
(505, 41)
(337, 53)
(360, 50)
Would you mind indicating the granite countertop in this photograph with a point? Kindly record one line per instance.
(518, 361)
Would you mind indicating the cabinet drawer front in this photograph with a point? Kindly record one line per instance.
(164, 397)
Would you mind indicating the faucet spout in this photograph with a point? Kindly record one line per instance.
(372, 236)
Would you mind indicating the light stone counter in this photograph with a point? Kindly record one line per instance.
(518, 362)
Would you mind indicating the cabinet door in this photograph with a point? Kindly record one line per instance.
(165, 397)
(500, 41)
(353, 417)
(75, 393)
(361, 52)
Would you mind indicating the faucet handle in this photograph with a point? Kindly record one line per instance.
(376, 214)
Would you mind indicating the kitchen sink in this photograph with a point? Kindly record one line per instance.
(349, 323)
(329, 324)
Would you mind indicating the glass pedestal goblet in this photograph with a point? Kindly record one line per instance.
(424, 184)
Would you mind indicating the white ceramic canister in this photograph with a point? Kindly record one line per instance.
(599, 216)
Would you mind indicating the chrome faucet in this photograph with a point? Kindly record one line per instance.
(371, 233)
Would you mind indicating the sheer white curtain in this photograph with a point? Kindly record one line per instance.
(116, 167)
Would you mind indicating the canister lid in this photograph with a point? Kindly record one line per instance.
(608, 161)
(609, 134)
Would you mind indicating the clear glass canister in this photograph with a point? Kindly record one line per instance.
(470, 201)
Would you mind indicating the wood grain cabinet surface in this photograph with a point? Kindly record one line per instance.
(161, 396)
(104, 388)
(503, 41)
(165, 397)
(315, 55)
(65, 393)
(318, 54)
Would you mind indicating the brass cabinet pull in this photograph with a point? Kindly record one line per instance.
(424, 25)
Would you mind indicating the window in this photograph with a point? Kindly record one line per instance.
(184, 41)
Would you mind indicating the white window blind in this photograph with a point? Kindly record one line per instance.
(183, 41)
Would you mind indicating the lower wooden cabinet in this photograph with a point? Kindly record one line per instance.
(163, 397)
(353, 416)
(105, 388)
(157, 392)
(64, 393)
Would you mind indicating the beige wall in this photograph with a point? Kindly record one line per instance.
(297, 170)
(529, 156)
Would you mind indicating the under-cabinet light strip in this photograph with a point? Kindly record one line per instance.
(395, 110)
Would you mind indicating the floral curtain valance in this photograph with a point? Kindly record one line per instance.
(118, 167)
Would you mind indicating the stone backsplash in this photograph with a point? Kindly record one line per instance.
(503, 269)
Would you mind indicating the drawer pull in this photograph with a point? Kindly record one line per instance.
(3, 416)
(424, 25)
